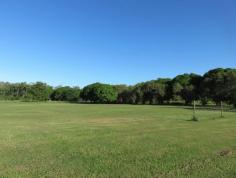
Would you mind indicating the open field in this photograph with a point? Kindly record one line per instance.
(73, 140)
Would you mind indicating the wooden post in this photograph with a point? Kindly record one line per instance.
(221, 109)
(194, 108)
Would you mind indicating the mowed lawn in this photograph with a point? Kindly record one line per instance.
(75, 140)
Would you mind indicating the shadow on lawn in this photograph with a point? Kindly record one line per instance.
(212, 108)
(170, 105)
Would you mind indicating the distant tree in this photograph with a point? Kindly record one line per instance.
(125, 94)
(120, 88)
(148, 92)
(99, 93)
(187, 87)
(4, 88)
(14, 91)
(230, 86)
(66, 94)
(138, 94)
(39, 92)
(233, 95)
(176, 91)
(73, 94)
(23, 90)
(218, 84)
(152, 92)
(233, 99)
(163, 90)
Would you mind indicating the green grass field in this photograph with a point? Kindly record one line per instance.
(75, 140)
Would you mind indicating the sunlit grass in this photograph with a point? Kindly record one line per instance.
(74, 140)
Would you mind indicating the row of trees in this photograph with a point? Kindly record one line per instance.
(27, 92)
(38, 92)
(215, 86)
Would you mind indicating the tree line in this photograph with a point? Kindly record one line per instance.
(217, 85)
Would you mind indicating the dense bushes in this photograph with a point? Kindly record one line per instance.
(215, 86)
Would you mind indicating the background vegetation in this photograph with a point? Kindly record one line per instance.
(214, 86)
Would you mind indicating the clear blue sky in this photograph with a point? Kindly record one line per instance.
(78, 42)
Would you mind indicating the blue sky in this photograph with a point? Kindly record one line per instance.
(78, 42)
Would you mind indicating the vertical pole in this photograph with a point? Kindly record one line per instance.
(221, 109)
(194, 108)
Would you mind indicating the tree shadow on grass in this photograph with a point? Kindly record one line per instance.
(228, 109)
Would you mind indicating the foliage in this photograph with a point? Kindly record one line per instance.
(66, 94)
(187, 86)
(27, 92)
(214, 86)
(39, 92)
(219, 84)
(99, 93)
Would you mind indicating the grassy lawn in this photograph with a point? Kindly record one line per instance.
(74, 140)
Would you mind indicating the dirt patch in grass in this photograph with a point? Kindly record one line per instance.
(21, 168)
(225, 152)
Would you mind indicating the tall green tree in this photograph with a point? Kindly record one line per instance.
(99, 93)
(39, 92)
(230, 86)
(218, 84)
(187, 87)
